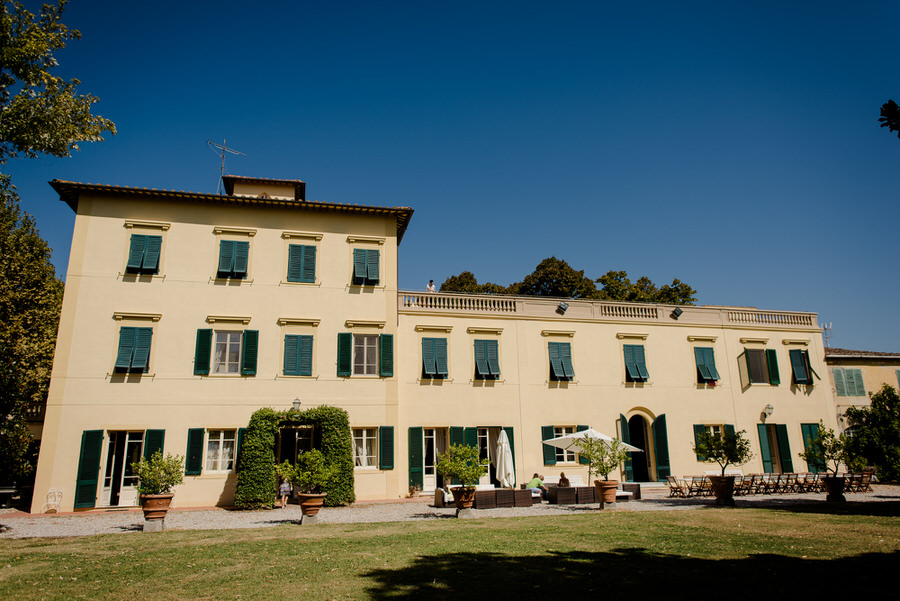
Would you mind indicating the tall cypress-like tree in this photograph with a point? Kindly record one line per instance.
(30, 300)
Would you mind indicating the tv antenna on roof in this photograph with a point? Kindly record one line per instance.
(827, 333)
(224, 150)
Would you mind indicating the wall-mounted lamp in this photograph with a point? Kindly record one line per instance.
(296, 404)
(769, 410)
(561, 308)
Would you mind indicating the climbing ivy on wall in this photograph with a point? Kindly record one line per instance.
(256, 480)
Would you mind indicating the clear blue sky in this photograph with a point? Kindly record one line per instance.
(733, 145)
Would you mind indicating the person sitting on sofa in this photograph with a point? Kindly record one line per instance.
(536, 484)
(563, 481)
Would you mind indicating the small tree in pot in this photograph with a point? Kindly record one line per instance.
(311, 475)
(828, 450)
(727, 448)
(462, 463)
(603, 457)
(156, 478)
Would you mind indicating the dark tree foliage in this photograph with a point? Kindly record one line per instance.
(41, 112)
(554, 277)
(890, 116)
(875, 438)
(466, 282)
(30, 300)
(616, 286)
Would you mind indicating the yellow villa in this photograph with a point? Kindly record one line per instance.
(184, 313)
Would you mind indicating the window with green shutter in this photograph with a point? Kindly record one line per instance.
(386, 447)
(193, 460)
(848, 382)
(301, 263)
(560, 361)
(133, 355)
(88, 468)
(706, 365)
(434, 357)
(635, 363)
(801, 369)
(234, 258)
(487, 359)
(298, 355)
(386, 355)
(143, 254)
(547, 432)
(366, 270)
(226, 352)
(758, 366)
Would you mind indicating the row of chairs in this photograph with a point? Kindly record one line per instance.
(766, 484)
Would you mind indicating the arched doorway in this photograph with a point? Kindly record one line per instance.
(637, 436)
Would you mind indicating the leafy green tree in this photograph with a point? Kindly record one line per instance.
(826, 450)
(466, 282)
(616, 286)
(40, 113)
(875, 436)
(727, 448)
(890, 116)
(554, 277)
(30, 300)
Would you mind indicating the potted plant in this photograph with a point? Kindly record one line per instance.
(828, 451)
(157, 476)
(311, 475)
(727, 448)
(462, 463)
(603, 457)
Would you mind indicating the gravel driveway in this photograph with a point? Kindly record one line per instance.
(23, 525)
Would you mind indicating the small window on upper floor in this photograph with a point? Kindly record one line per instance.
(705, 359)
(758, 366)
(143, 254)
(560, 361)
(133, 355)
(487, 360)
(434, 358)
(365, 355)
(366, 267)
(298, 355)
(234, 258)
(635, 363)
(848, 382)
(226, 352)
(301, 263)
(801, 369)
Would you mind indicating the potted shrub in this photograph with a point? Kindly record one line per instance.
(157, 476)
(828, 451)
(462, 463)
(728, 448)
(603, 457)
(311, 475)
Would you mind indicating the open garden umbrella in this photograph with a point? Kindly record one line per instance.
(572, 442)
(504, 462)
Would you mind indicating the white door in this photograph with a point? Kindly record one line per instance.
(119, 481)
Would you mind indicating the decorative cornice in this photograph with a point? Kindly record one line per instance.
(474, 330)
(702, 338)
(624, 335)
(362, 323)
(228, 318)
(754, 340)
(798, 341)
(240, 231)
(159, 225)
(422, 328)
(120, 315)
(569, 333)
(298, 321)
(289, 235)
(375, 239)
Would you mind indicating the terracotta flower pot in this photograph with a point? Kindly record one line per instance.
(606, 490)
(723, 489)
(463, 496)
(156, 506)
(834, 487)
(311, 503)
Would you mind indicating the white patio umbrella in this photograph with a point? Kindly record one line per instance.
(504, 462)
(572, 442)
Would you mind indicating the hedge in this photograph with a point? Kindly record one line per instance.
(256, 481)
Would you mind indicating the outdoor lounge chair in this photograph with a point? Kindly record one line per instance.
(677, 487)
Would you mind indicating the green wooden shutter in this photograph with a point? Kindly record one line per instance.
(784, 449)
(457, 435)
(88, 468)
(241, 258)
(440, 357)
(291, 355)
(154, 440)
(140, 361)
(810, 432)
(556, 369)
(626, 438)
(194, 456)
(126, 349)
(416, 459)
(481, 366)
(710, 358)
(226, 258)
(565, 357)
(150, 264)
(547, 433)
(308, 274)
(428, 365)
(136, 253)
(202, 352)
(729, 430)
(493, 356)
(858, 388)
(582, 460)
(661, 446)
(772, 361)
(472, 437)
(898, 378)
(344, 353)
(630, 366)
(359, 266)
(641, 363)
(839, 385)
(240, 445)
(764, 452)
(386, 447)
(295, 263)
(698, 430)
(798, 367)
(744, 369)
(249, 350)
(700, 359)
(512, 446)
(373, 277)
(305, 355)
(386, 355)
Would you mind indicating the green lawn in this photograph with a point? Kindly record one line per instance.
(628, 555)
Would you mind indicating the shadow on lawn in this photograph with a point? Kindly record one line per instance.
(625, 574)
(882, 509)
